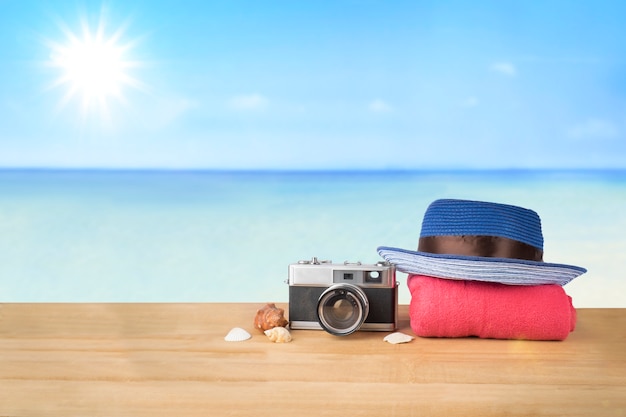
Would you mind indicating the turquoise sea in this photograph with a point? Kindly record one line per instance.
(206, 236)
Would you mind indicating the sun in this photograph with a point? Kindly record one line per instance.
(93, 67)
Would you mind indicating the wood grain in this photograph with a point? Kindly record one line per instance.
(172, 360)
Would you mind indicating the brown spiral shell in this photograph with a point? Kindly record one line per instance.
(269, 317)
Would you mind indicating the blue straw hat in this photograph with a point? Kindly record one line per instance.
(481, 241)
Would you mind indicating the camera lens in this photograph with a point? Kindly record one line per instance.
(342, 308)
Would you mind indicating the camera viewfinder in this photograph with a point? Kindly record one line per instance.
(373, 277)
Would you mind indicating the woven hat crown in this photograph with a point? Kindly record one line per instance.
(450, 217)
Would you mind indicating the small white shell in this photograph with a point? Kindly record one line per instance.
(237, 334)
(398, 337)
(278, 335)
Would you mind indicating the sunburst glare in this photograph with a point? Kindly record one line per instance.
(94, 67)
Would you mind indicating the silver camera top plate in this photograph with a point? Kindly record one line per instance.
(325, 273)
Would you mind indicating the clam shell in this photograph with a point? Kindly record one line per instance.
(278, 335)
(237, 334)
(398, 337)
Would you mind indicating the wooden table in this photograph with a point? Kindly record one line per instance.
(171, 360)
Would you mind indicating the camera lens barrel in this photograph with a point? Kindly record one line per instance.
(342, 309)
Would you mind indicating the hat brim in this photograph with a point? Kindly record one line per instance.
(459, 267)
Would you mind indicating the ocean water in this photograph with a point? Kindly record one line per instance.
(203, 236)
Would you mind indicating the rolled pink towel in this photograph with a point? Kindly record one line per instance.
(457, 308)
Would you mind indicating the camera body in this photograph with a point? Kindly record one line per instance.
(343, 298)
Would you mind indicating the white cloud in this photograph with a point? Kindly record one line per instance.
(594, 128)
(505, 68)
(248, 102)
(379, 106)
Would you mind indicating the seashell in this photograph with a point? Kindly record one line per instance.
(237, 334)
(398, 337)
(269, 317)
(278, 335)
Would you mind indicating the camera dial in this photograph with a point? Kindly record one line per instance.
(314, 261)
(342, 309)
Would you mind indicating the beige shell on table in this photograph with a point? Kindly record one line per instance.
(278, 335)
(398, 337)
(269, 317)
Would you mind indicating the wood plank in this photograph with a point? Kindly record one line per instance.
(171, 359)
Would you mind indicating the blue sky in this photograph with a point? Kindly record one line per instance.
(315, 84)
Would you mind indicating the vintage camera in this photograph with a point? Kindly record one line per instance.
(342, 298)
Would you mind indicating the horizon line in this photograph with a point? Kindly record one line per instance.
(314, 170)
